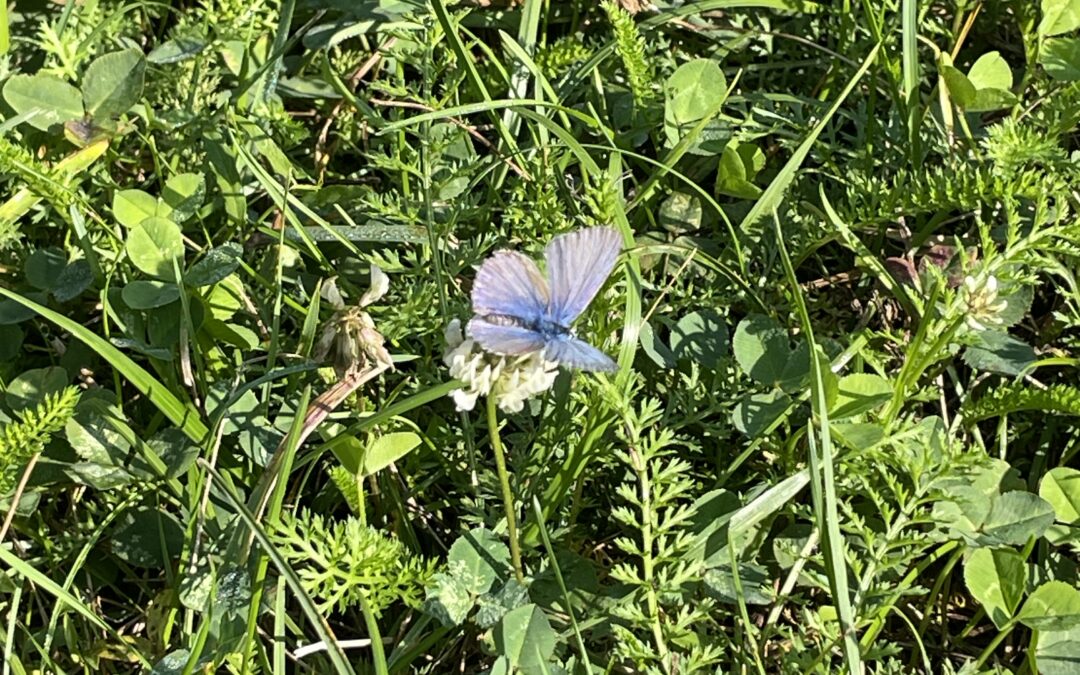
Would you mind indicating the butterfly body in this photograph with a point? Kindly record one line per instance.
(518, 310)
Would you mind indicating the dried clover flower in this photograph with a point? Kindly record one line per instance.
(983, 307)
(512, 380)
(350, 337)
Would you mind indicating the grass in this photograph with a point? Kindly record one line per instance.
(239, 431)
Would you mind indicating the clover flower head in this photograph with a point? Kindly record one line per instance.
(512, 380)
(983, 307)
(350, 337)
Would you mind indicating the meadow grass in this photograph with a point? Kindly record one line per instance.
(243, 430)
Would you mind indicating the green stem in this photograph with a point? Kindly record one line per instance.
(504, 481)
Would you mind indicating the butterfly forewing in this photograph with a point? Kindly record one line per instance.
(504, 338)
(578, 354)
(510, 284)
(578, 264)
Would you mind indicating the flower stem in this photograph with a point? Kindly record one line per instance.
(504, 480)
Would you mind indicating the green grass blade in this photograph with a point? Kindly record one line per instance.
(333, 649)
(774, 194)
(823, 479)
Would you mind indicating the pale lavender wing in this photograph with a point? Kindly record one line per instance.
(510, 284)
(578, 354)
(504, 339)
(578, 264)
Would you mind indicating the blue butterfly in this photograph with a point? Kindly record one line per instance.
(517, 311)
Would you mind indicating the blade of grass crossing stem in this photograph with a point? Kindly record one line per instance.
(910, 35)
(449, 26)
(183, 416)
(528, 28)
(543, 86)
(538, 512)
(387, 413)
(774, 194)
(822, 478)
(307, 605)
(12, 626)
(632, 311)
(30, 573)
(464, 110)
(273, 512)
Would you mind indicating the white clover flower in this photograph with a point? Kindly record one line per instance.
(512, 380)
(984, 309)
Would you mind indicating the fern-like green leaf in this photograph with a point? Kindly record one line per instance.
(1062, 399)
(23, 438)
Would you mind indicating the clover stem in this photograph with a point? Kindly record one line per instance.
(504, 481)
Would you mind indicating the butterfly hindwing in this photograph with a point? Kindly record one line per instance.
(578, 264)
(578, 354)
(510, 284)
(504, 339)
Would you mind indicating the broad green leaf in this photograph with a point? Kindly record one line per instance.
(762, 348)
(44, 266)
(984, 88)
(859, 393)
(738, 165)
(216, 265)
(479, 559)
(449, 598)
(858, 435)
(145, 537)
(153, 245)
(654, 348)
(694, 92)
(961, 90)
(184, 193)
(1059, 17)
(681, 213)
(150, 294)
(701, 337)
(492, 607)
(131, 207)
(990, 71)
(1053, 606)
(32, 386)
(226, 297)
(1061, 58)
(998, 352)
(54, 100)
(113, 83)
(73, 280)
(526, 639)
(755, 413)
(388, 448)
(719, 583)
(1061, 488)
(1014, 517)
(175, 50)
(1058, 652)
(996, 578)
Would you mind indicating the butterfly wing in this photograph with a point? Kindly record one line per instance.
(579, 354)
(500, 338)
(510, 284)
(578, 264)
